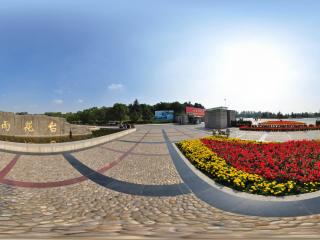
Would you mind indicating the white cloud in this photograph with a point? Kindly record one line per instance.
(115, 86)
(57, 101)
(80, 101)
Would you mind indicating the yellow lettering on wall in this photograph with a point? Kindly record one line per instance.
(52, 127)
(28, 127)
(5, 126)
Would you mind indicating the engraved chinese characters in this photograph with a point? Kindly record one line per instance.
(28, 128)
(52, 127)
(37, 125)
(5, 126)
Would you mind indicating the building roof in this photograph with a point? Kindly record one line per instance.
(217, 108)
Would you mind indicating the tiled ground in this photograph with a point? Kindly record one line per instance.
(81, 208)
(145, 170)
(5, 159)
(97, 157)
(274, 136)
(42, 169)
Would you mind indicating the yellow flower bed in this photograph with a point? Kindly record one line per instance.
(218, 169)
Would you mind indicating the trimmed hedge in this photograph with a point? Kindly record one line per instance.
(59, 139)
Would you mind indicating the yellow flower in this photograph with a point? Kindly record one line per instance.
(209, 162)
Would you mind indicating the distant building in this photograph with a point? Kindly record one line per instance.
(164, 115)
(191, 115)
(219, 117)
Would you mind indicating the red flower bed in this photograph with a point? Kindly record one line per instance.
(283, 122)
(294, 160)
(279, 128)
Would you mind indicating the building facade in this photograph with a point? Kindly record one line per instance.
(191, 115)
(219, 118)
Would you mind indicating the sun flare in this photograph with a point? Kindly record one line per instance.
(244, 64)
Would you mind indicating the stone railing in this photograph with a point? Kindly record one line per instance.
(61, 147)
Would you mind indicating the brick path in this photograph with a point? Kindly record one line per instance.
(46, 197)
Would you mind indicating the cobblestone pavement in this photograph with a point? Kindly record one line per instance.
(45, 197)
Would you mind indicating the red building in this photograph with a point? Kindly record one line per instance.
(192, 115)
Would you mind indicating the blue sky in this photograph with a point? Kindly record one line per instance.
(67, 55)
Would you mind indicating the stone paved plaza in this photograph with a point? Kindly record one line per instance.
(50, 196)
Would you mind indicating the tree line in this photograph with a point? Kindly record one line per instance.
(134, 112)
(279, 115)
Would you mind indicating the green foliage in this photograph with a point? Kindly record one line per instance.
(97, 133)
(135, 113)
(120, 112)
(147, 112)
(177, 107)
(105, 131)
(279, 115)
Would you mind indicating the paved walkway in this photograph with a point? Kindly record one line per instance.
(126, 188)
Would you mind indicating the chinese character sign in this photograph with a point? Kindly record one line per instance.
(5, 126)
(198, 112)
(28, 128)
(52, 127)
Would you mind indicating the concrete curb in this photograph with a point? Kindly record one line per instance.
(61, 147)
(245, 195)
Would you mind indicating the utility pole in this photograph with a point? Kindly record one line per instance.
(225, 102)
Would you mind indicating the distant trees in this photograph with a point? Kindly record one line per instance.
(147, 112)
(134, 112)
(137, 112)
(279, 115)
(119, 112)
(177, 107)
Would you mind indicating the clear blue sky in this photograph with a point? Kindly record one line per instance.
(67, 55)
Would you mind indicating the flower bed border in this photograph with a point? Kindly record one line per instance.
(277, 129)
(217, 169)
(204, 177)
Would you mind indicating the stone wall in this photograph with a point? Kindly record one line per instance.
(61, 147)
(37, 126)
(231, 117)
(217, 119)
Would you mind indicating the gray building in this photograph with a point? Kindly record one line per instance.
(231, 117)
(219, 117)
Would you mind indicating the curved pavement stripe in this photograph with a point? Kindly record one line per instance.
(7, 168)
(131, 141)
(240, 205)
(126, 187)
(28, 184)
(134, 153)
(185, 134)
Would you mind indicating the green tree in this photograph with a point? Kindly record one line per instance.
(146, 112)
(120, 112)
(135, 111)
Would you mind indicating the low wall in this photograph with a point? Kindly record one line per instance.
(61, 147)
(34, 125)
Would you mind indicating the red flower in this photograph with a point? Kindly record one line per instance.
(293, 160)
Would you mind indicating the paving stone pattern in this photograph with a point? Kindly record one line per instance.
(47, 197)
